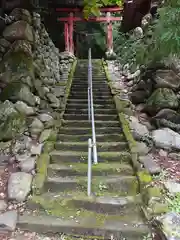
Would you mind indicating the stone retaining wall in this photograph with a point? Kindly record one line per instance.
(154, 204)
(34, 85)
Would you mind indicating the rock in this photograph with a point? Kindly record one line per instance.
(3, 205)
(166, 138)
(22, 14)
(19, 186)
(45, 135)
(12, 122)
(4, 159)
(139, 131)
(55, 103)
(175, 156)
(19, 30)
(25, 95)
(36, 127)
(167, 118)
(138, 96)
(8, 221)
(24, 108)
(161, 98)
(172, 187)
(150, 164)
(28, 165)
(23, 143)
(44, 117)
(163, 153)
(167, 79)
(23, 157)
(36, 149)
(170, 223)
(142, 148)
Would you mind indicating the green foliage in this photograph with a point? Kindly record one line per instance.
(174, 203)
(160, 40)
(92, 7)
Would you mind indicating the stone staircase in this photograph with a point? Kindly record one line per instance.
(114, 210)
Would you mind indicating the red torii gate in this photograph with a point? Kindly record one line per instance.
(69, 26)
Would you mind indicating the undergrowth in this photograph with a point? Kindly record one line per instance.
(161, 39)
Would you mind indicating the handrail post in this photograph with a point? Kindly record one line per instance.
(91, 107)
(89, 175)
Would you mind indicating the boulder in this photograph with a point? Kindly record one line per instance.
(139, 130)
(172, 187)
(170, 223)
(8, 221)
(11, 121)
(21, 14)
(19, 186)
(17, 91)
(166, 138)
(19, 30)
(36, 127)
(167, 118)
(28, 165)
(167, 79)
(161, 98)
(24, 108)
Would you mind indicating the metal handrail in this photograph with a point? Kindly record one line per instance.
(91, 141)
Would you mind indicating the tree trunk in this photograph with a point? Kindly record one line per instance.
(133, 14)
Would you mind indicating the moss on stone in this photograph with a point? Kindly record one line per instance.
(144, 177)
(156, 208)
(66, 209)
(121, 104)
(14, 124)
(41, 168)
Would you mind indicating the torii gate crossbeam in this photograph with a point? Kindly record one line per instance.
(69, 26)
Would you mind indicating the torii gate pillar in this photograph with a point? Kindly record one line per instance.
(109, 33)
(68, 34)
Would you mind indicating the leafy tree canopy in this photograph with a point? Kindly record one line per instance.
(92, 6)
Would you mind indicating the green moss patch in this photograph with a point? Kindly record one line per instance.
(41, 168)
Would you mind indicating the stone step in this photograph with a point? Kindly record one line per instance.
(84, 91)
(95, 97)
(97, 111)
(75, 156)
(86, 225)
(85, 117)
(80, 169)
(99, 137)
(85, 106)
(101, 86)
(121, 206)
(81, 131)
(96, 101)
(121, 185)
(83, 123)
(82, 146)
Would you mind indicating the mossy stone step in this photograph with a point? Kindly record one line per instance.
(92, 226)
(123, 185)
(80, 131)
(53, 203)
(96, 101)
(85, 111)
(95, 96)
(99, 137)
(83, 123)
(84, 87)
(82, 146)
(80, 169)
(73, 156)
(85, 105)
(85, 116)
